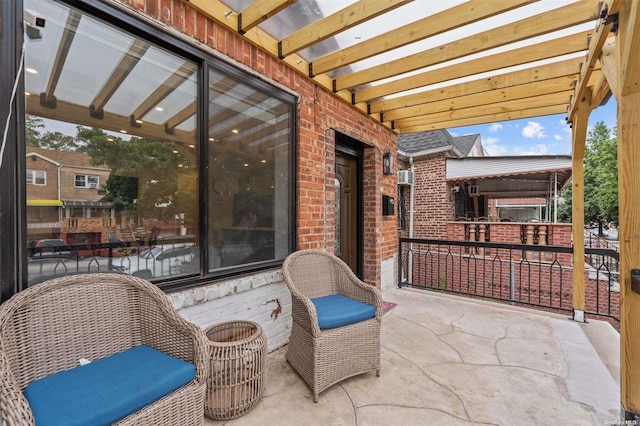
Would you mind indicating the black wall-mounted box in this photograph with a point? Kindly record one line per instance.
(635, 280)
(387, 205)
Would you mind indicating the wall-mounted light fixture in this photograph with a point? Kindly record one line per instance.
(387, 163)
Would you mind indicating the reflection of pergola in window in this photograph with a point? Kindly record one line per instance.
(233, 104)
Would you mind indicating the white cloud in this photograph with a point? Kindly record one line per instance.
(492, 147)
(558, 137)
(495, 127)
(534, 130)
(538, 149)
(454, 134)
(564, 126)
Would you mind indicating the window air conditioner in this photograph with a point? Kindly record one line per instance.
(473, 191)
(405, 177)
(93, 185)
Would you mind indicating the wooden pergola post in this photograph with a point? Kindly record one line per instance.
(579, 137)
(628, 97)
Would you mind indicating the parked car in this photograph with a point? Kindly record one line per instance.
(159, 261)
(51, 248)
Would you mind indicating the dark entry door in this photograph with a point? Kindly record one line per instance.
(347, 210)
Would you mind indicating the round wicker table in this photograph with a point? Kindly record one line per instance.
(236, 381)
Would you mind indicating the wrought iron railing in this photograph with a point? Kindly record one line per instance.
(526, 275)
(157, 259)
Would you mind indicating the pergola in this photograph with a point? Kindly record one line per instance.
(417, 65)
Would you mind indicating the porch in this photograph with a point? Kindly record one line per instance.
(451, 360)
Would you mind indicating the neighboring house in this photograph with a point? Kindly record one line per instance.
(453, 180)
(434, 201)
(63, 197)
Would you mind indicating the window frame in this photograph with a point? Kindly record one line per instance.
(87, 181)
(34, 177)
(204, 59)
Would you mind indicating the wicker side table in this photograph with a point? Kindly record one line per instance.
(236, 381)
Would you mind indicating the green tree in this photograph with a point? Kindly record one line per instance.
(564, 207)
(600, 179)
(33, 130)
(601, 176)
(144, 172)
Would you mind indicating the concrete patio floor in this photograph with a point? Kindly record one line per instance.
(454, 361)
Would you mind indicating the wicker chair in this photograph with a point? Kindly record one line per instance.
(325, 357)
(49, 327)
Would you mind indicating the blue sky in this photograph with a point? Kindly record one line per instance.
(534, 136)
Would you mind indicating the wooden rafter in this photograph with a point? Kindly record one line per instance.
(491, 118)
(447, 20)
(524, 91)
(630, 57)
(180, 117)
(47, 98)
(128, 62)
(331, 25)
(481, 110)
(595, 47)
(260, 11)
(79, 114)
(165, 89)
(537, 52)
(568, 68)
(558, 19)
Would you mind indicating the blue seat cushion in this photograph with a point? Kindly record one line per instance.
(107, 390)
(336, 311)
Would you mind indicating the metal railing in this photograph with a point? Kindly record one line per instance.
(526, 275)
(143, 258)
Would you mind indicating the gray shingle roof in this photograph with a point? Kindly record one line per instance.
(434, 139)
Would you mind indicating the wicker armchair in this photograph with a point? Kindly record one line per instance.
(49, 327)
(323, 357)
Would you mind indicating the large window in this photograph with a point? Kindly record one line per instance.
(249, 162)
(100, 98)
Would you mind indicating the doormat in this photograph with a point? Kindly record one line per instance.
(387, 306)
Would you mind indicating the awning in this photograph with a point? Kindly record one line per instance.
(44, 203)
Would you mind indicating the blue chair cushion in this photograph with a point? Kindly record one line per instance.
(336, 311)
(107, 390)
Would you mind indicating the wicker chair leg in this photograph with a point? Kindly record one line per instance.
(378, 372)
(315, 398)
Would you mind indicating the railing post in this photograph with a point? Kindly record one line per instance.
(482, 232)
(512, 281)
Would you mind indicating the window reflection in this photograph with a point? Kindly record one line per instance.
(110, 123)
(249, 174)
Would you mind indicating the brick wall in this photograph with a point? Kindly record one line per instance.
(433, 205)
(320, 116)
(48, 191)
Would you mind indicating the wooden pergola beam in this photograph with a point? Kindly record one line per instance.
(595, 47)
(128, 62)
(342, 20)
(260, 11)
(578, 141)
(47, 98)
(523, 91)
(482, 110)
(447, 20)
(568, 69)
(540, 24)
(491, 118)
(79, 114)
(537, 52)
(183, 73)
(628, 92)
